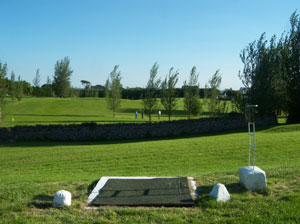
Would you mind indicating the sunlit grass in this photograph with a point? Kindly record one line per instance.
(31, 172)
(33, 110)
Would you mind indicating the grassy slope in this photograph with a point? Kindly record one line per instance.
(38, 169)
(31, 111)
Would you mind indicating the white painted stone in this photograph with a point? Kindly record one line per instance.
(220, 193)
(62, 198)
(253, 178)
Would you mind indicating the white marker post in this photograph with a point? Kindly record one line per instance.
(252, 177)
(250, 113)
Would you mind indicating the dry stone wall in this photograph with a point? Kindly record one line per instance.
(124, 131)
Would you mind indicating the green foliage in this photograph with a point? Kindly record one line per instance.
(3, 89)
(271, 73)
(27, 88)
(19, 89)
(214, 103)
(61, 78)
(192, 104)
(36, 83)
(37, 78)
(12, 87)
(47, 89)
(168, 96)
(291, 69)
(113, 90)
(150, 101)
(86, 84)
(239, 103)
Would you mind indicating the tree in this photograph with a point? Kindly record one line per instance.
(37, 78)
(61, 78)
(260, 74)
(86, 84)
(168, 91)
(19, 89)
(3, 89)
(214, 85)
(46, 89)
(291, 69)
(191, 94)
(36, 83)
(113, 90)
(150, 101)
(12, 87)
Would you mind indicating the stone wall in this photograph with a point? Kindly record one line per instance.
(96, 132)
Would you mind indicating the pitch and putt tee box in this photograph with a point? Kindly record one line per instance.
(143, 191)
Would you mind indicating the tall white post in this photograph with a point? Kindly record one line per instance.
(252, 177)
(252, 143)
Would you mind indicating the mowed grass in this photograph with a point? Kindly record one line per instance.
(31, 172)
(33, 110)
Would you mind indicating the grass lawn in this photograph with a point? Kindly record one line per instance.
(33, 110)
(31, 173)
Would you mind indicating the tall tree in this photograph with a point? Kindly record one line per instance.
(291, 69)
(19, 89)
(113, 88)
(214, 85)
(150, 101)
(37, 78)
(12, 87)
(192, 104)
(3, 89)
(36, 83)
(168, 98)
(260, 67)
(61, 78)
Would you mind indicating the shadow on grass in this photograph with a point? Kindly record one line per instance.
(92, 186)
(42, 201)
(70, 122)
(233, 188)
(204, 201)
(54, 115)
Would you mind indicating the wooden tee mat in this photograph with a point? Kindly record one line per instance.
(146, 192)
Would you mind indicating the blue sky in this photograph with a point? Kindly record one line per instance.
(96, 35)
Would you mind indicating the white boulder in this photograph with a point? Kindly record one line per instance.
(220, 193)
(253, 178)
(62, 198)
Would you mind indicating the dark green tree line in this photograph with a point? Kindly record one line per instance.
(271, 72)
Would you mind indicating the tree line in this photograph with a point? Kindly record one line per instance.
(165, 91)
(156, 88)
(271, 73)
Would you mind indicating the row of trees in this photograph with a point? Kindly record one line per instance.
(165, 91)
(10, 86)
(15, 88)
(271, 72)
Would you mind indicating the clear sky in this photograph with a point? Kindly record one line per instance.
(96, 35)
